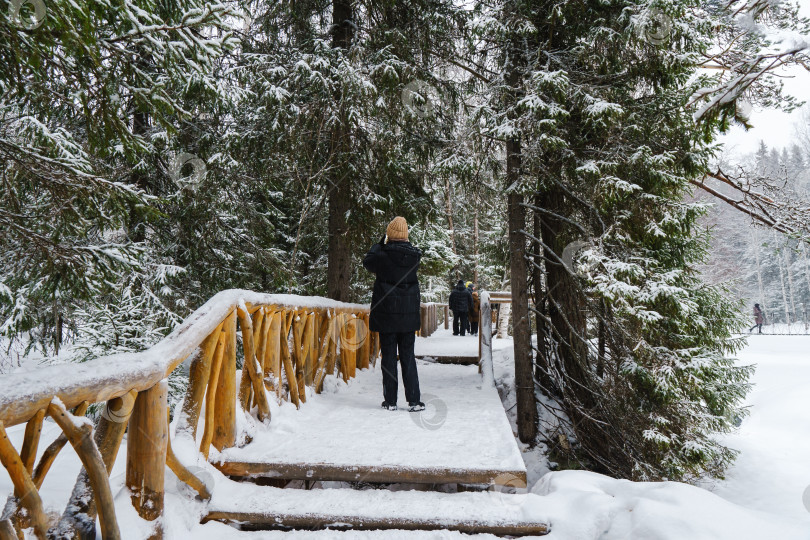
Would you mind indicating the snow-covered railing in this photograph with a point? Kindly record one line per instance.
(485, 366)
(288, 342)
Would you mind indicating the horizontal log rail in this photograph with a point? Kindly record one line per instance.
(290, 344)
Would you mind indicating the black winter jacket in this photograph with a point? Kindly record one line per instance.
(460, 299)
(396, 298)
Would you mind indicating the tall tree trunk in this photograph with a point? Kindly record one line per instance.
(807, 281)
(450, 222)
(541, 367)
(790, 283)
(137, 227)
(475, 250)
(757, 247)
(782, 283)
(565, 303)
(602, 331)
(339, 268)
(524, 374)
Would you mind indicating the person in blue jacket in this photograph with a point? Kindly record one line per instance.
(395, 303)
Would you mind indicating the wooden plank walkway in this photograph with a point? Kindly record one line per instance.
(343, 434)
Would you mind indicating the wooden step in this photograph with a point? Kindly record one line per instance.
(456, 360)
(374, 474)
(256, 507)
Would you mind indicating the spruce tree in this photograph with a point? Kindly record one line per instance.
(606, 134)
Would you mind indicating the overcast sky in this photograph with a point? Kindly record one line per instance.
(774, 127)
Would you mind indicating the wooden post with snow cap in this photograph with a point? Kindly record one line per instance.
(147, 441)
(485, 366)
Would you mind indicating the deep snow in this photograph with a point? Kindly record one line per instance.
(773, 468)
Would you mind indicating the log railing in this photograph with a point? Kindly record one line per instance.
(289, 345)
(429, 318)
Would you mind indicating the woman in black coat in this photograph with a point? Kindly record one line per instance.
(395, 311)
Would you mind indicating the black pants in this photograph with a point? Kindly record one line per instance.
(389, 343)
(474, 328)
(459, 322)
(758, 326)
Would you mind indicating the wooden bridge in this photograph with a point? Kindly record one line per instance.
(250, 443)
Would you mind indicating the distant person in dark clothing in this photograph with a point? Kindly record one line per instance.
(395, 305)
(475, 312)
(759, 318)
(460, 304)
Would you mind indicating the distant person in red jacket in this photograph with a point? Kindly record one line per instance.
(759, 318)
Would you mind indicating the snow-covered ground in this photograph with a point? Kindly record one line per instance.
(761, 498)
(772, 471)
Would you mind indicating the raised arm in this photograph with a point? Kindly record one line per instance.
(372, 258)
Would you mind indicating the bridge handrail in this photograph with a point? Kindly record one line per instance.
(22, 394)
(292, 339)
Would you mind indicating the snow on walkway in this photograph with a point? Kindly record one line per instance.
(463, 426)
(444, 343)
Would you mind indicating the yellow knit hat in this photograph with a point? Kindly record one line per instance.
(397, 229)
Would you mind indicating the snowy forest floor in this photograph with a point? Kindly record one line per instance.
(761, 496)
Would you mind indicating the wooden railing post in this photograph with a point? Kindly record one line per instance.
(81, 509)
(423, 331)
(198, 377)
(274, 350)
(147, 441)
(446, 317)
(252, 367)
(365, 342)
(225, 402)
(29, 448)
(24, 488)
(485, 366)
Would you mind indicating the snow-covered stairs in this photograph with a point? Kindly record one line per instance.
(260, 507)
(344, 435)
